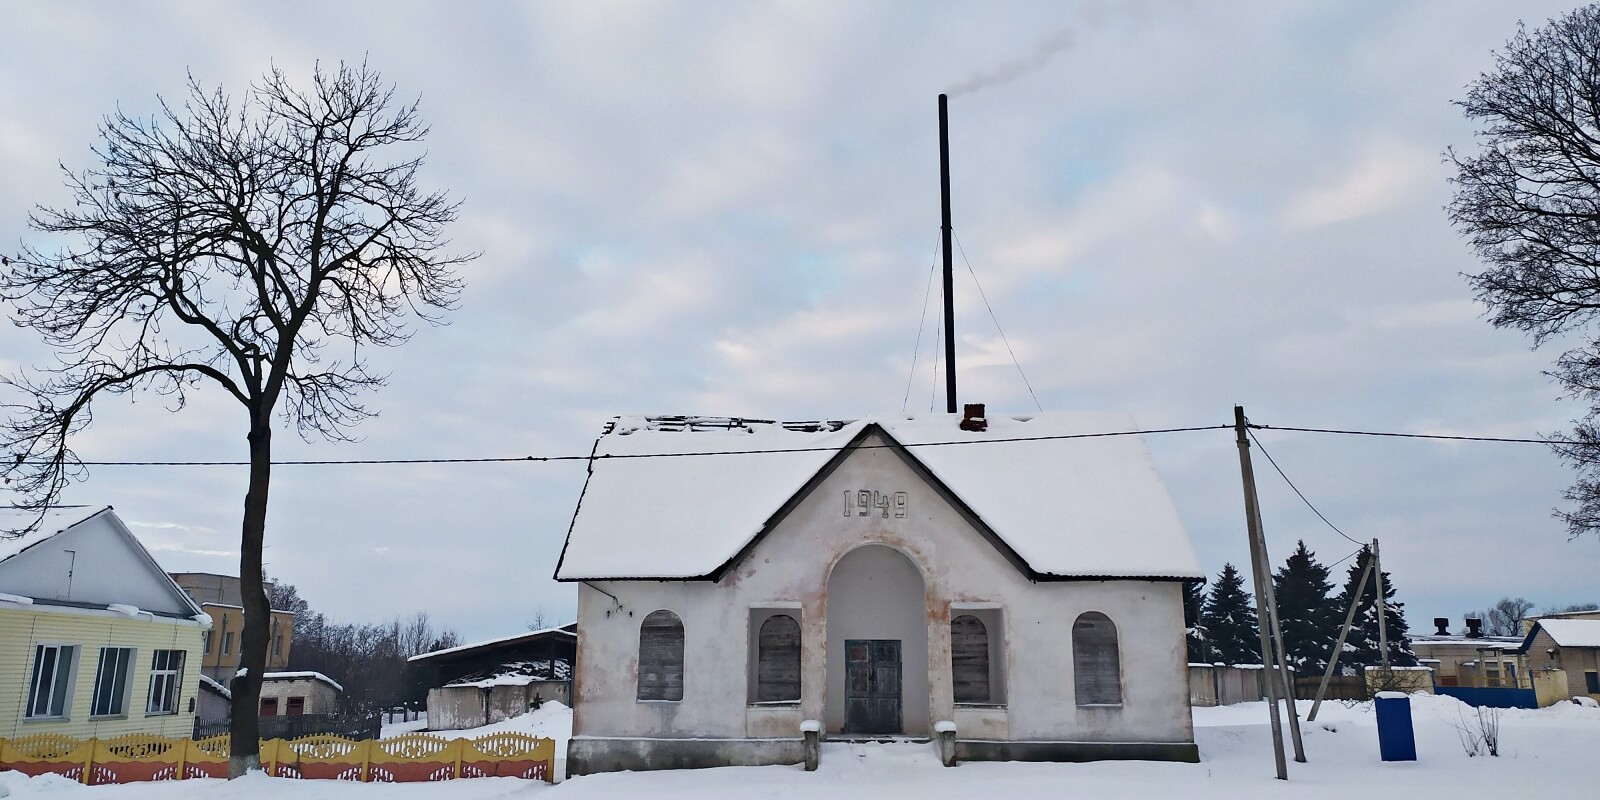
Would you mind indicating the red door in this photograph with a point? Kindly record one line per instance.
(297, 706)
(269, 706)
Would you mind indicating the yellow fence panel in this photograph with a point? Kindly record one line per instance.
(322, 756)
(48, 752)
(413, 757)
(508, 755)
(206, 758)
(137, 757)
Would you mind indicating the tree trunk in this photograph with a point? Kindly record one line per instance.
(244, 751)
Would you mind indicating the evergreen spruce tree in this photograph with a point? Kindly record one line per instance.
(1361, 648)
(1305, 611)
(1194, 601)
(1229, 618)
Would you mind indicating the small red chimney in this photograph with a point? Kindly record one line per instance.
(973, 419)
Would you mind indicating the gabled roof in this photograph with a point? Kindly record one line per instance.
(1566, 632)
(57, 521)
(687, 499)
(568, 631)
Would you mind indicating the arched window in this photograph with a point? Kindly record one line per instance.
(969, 659)
(1097, 670)
(778, 660)
(661, 657)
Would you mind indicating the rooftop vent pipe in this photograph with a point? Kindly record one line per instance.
(1474, 628)
(973, 419)
(1443, 625)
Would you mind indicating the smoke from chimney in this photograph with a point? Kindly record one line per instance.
(1046, 49)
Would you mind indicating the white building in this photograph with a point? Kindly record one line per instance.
(737, 578)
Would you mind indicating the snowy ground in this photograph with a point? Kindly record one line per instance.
(1542, 753)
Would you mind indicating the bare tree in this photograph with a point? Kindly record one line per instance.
(231, 244)
(1504, 618)
(1529, 202)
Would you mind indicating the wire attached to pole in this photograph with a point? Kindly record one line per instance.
(992, 316)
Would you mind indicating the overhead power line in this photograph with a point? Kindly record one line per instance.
(1281, 473)
(1443, 436)
(612, 456)
(540, 459)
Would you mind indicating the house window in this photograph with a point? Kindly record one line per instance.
(269, 706)
(50, 688)
(778, 660)
(969, 659)
(661, 657)
(111, 682)
(1591, 680)
(165, 668)
(227, 642)
(297, 706)
(1096, 668)
(277, 645)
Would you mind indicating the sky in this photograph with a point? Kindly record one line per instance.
(732, 209)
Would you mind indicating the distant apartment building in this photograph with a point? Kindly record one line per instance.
(218, 596)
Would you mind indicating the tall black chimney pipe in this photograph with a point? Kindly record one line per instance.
(949, 280)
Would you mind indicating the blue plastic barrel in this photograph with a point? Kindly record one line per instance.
(1396, 739)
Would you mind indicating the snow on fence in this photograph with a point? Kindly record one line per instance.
(413, 757)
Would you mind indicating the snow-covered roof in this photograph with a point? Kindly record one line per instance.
(1572, 632)
(56, 520)
(517, 673)
(1481, 642)
(208, 682)
(1067, 505)
(515, 638)
(299, 676)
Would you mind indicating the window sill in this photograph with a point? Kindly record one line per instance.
(774, 704)
(149, 714)
(1100, 705)
(657, 701)
(980, 705)
(106, 717)
(26, 720)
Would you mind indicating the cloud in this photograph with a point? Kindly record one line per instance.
(703, 210)
(1382, 179)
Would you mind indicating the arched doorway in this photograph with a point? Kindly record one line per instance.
(877, 649)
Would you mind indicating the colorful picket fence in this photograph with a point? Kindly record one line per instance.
(413, 757)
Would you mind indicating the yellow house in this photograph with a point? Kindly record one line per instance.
(218, 596)
(95, 639)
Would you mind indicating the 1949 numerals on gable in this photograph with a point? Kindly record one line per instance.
(862, 502)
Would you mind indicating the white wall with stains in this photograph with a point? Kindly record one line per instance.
(792, 567)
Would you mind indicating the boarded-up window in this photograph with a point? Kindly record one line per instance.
(969, 659)
(1096, 668)
(661, 657)
(778, 660)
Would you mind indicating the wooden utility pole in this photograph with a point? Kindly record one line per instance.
(1275, 627)
(1338, 647)
(1252, 517)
